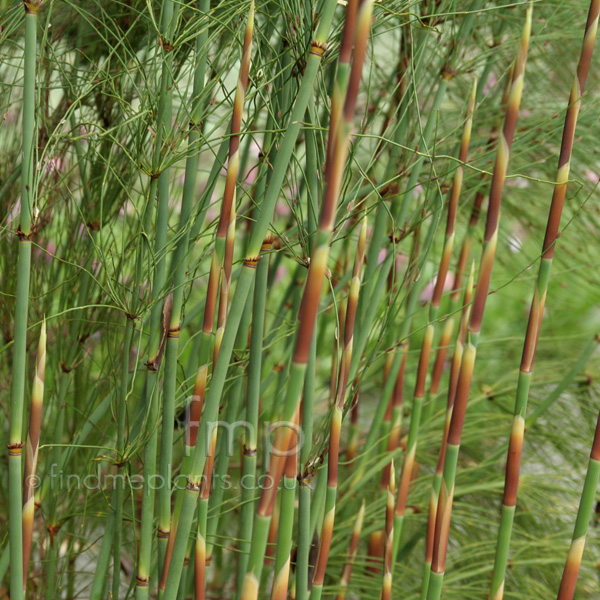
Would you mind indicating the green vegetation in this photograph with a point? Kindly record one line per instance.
(275, 276)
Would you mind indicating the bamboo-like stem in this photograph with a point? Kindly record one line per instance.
(205, 487)
(445, 338)
(211, 497)
(396, 403)
(310, 299)
(413, 433)
(401, 203)
(447, 251)
(568, 582)
(281, 575)
(428, 336)
(336, 127)
(469, 236)
(347, 571)
(170, 18)
(221, 269)
(305, 471)
(336, 419)
(121, 465)
(159, 180)
(388, 553)
(444, 511)
(222, 258)
(19, 364)
(243, 287)
(439, 469)
(31, 451)
(252, 410)
(353, 431)
(536, 311)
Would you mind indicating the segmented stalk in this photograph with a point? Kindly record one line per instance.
(31, 450)
(396, 402)
(252, 408)
(444, 511)
(413, 433)
(444, 265)
(178, 268)
(310, 299)
(388, 553)
(222, 258)
(200, 572)
(439, 469)
(419, 394)
(568, 582)
(336, 419)
(286, 523)
(19, 364)
(536, 311)
(347, 572)
(243, 287)
(469, 236)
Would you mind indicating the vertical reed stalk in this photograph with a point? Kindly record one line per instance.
(252, 409)
(388, 553)
(449, 243)
(536, 311)
(444, 512)
(336, 419)
(439, 469)
(31, 451)
(310, 299)
(347, 571)
(568, 582)
(19, 361)
(243, 287)
(223, 250)
(159, 180)
(281, 575)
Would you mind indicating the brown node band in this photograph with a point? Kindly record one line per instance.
(193, 487)
(166, 46)
(93, 225)
(174, 333)
(448, 72)
(249, 451)
(31, 8)
(23, 237)
(141, 581)
(267, 244)
(53, 530)
(318, 48)
(15, 449)
(162, 534)
(152, 365)
(251, 261)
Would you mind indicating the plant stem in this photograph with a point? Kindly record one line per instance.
(245, 279)
(536, 311)
(19, 364)
(31, 451)
(444, 511)
(568, 582)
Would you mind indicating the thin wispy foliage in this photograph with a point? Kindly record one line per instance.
(274, 278)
